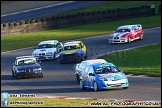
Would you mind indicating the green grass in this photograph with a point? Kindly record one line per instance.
(32, 39)
(140, 61)
(53, 102)
(116, 4)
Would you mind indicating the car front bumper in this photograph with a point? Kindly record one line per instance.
(46, 57)
(70, 58)
(113, 84)
(29, 74)
(118, 41)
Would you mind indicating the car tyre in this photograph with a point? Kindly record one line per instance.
(41, 76)
(125, 87)
(129, 40)
(95, 86)
(54, 56)
(82, 86)
(77, 78)
(141, 36)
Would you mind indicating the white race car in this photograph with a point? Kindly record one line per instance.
(126, 34)
(49, 49)
(80, 66)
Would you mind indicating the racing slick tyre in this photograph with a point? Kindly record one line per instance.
(41, 76)
(125, 87)
(77, 78)
(82, 86)
(95, 86)
(13, 74)
(129, 40)
(54, 56)
(141, 36)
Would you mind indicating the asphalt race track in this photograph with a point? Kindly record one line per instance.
(59, 79)
(18, 16)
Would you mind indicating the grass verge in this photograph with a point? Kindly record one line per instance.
(140, 61)
(32, 39)
(53, 102)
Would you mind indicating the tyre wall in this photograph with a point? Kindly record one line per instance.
(80, 18)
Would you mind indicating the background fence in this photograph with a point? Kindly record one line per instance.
(80, 18)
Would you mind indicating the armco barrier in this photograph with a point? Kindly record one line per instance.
(79, 18)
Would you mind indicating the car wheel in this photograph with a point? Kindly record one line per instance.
(41, 76)
(81, 85)
(95, 86)
(129, 40)
(13, 73)
(125, 87)
(77, 78)
(54, 56)
(61, 62)
(141, 36)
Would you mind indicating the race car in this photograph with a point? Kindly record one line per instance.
(73, 51)
(46, 50)
(80, 66)
(126, 34)
(103, 76)
(26, 66)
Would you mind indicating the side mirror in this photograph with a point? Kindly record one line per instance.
(35, 47)
(91, 74)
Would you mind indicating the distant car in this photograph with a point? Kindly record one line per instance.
(46, 50)
(126, 34)
(74, 51)
(26, 66)
(103, 76)
(80, 66)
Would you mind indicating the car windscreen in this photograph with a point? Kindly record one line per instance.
(122, 30)
(71, 47)
(107, 69)
(45, 46)
(26, 61)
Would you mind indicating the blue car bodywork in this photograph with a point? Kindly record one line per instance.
(96, 76)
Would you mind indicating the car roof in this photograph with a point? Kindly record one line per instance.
(99, 64)
(95, 61)
(48, 42)
(20, 57)
(72, 42)
(125, 26)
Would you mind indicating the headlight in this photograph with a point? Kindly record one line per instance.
(49, 53)
(102, 78)
(37, 69)
(20, 70)
(124, 77)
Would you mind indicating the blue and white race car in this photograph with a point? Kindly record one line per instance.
(103, 76)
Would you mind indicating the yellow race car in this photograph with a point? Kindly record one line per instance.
(73, 51)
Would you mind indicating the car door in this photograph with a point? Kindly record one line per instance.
(85, 76)
(83, 47)
(90, 77)
(134, 33)
(81, 67)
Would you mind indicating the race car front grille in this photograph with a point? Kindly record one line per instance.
(40, 54)
(70, 56)
(29, 70)
(116, 37)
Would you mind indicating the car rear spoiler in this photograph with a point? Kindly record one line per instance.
(139, 26)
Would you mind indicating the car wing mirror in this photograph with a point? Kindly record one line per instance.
(91, 74)
(35, 47)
